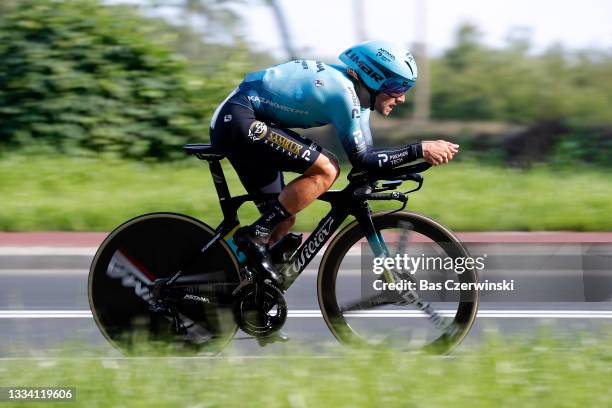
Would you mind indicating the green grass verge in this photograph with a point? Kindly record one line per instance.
(518, 373)
(45, 193)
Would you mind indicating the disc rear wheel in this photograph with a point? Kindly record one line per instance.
(197, 317)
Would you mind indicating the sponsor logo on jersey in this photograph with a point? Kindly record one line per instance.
(382, 158)
(397, 158)
(276, 105)
(284, 143)
(227, 118)
(353, 96)
(369, 71)
(319, 83)
(257, 130)
(359, 141)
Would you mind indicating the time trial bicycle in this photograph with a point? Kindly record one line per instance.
(185, 284)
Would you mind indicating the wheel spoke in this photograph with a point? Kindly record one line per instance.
(381, 299)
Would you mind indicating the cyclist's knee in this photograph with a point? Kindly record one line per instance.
(326, 168)
(333, 160)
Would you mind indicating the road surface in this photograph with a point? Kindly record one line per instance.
(44, 305)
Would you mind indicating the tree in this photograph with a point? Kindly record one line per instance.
(474, 82)
(467, 47)
(82, 77)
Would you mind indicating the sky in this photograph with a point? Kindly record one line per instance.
(324, 28)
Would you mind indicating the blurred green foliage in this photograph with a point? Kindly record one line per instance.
(555, 142)
(84, 78)
(587, 145)
(527, 370)
(473, 81)
(92, 194)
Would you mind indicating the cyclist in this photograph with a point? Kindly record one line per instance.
(251, 128)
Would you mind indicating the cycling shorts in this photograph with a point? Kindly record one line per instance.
(259, 150)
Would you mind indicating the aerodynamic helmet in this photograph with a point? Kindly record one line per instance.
(383, 66)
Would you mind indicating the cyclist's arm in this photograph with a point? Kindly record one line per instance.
(354, 132)
(364, 123)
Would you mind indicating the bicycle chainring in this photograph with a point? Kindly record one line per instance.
(259, 309)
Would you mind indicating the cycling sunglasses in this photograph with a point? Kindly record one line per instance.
(396, 86)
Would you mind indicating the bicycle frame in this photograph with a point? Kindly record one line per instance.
(343, 204)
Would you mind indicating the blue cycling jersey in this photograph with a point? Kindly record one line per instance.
(304, 94)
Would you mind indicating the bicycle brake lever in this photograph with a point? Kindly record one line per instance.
(418, 180)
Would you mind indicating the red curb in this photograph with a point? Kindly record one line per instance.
(52, 239)
(536, 237)
(94, 239)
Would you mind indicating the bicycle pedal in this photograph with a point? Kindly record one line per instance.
(278, 336)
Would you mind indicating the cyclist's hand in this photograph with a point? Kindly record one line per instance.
(438, 152)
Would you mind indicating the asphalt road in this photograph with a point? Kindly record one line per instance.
(44, 305)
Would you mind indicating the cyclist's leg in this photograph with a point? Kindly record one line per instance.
(260, 150)
(283, 150)
(316, 180)
(263, 206)
(300, 192)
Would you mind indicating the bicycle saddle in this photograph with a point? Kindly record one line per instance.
(203, 151)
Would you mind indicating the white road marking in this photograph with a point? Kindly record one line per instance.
(43, 272)
(45, 314)
(47, 251)
(520, 314)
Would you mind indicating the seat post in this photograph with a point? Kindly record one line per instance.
(220, 185)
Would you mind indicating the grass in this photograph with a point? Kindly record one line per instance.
(537, 372)
(76, 194)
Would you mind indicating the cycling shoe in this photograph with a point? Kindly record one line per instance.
(257, 253)
(282, 250)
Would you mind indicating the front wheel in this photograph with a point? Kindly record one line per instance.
(360, 310)
(197, 318)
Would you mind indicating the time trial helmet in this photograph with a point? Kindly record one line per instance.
(383, 66)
